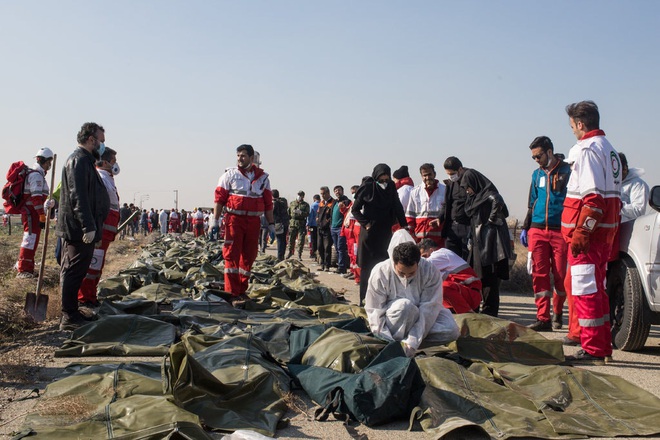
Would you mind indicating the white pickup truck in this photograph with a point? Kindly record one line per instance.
(633, 282)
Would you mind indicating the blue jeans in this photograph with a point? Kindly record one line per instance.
(340, 245)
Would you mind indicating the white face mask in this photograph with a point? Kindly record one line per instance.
(115, 169)
(382, 184)
(299, 198)
(454, 177)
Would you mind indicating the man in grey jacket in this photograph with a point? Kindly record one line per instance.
(84, 204)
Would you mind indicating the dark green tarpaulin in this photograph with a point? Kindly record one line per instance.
(231, 384)
(386, 389)
(489, 339)
(121, 335)
(515, 400)
(342, 350)
(111, 401)
(229, 368)
(578, 401)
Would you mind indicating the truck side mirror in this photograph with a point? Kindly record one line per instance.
(654, 200)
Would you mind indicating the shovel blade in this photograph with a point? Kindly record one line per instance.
(36, 306)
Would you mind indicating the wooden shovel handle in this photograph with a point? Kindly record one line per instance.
(40, 279)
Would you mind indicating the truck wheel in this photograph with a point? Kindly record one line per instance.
(631, 320)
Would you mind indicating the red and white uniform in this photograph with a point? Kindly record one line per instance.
(548, 251)
(461, 287)
(595, 184)
(424, 207)
(87, 290)
(351, 231)
(198, 223)
(35, 193)
(175, 222)
(404, 187)
(245, 196)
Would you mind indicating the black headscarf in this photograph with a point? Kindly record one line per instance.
(482, 189)
(381, 169)
(370, 193)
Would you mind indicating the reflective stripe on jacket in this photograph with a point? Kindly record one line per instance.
(240, 196)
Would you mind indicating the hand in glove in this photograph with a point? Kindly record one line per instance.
(523, 238)
(42, 221)
(271, 228)
(586, 224)
(88, 237)
(580, 242)
(49, 204)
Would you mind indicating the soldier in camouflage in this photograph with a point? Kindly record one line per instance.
(298, 211)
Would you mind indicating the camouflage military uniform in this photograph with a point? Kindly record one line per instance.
(298, 211)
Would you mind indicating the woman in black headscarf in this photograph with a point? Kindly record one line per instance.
(377, 208)
(491, 242)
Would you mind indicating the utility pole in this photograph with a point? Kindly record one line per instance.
(143, 197)
(176, 199)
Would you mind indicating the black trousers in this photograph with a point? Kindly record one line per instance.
(457, 239)
(325, 247)
(76, 257)
(281, 243)
(490, 292)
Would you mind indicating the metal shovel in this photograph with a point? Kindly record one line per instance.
(36, 304)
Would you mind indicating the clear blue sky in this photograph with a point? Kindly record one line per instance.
(324, 90)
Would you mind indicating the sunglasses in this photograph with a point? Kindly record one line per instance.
(538, 156)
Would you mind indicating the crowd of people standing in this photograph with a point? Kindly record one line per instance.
(575, 205)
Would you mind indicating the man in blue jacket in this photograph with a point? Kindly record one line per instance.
(311, 225)
(542, 232)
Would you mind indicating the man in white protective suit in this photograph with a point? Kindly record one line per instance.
(404, 299)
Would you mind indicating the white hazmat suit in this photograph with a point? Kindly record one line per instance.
(408, 310)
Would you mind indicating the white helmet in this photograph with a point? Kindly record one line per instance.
(44, 152)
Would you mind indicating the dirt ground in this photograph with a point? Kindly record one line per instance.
(27, 363)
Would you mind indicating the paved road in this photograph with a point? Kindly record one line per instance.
(641, 368)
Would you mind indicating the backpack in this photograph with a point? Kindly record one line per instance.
(12, 192)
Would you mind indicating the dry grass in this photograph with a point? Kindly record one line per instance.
(296, 404)
(12, 290)
(13, 320)
(69, 409)
(519, 280)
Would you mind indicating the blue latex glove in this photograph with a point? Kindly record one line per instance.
(523, 237)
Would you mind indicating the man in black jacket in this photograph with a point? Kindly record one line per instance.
(455, 222)
(323, 222)
(281, 218)
(84, 204)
